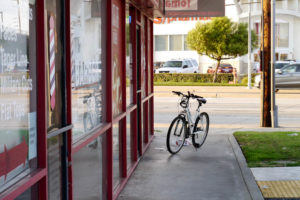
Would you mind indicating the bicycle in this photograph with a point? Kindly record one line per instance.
(183, 126)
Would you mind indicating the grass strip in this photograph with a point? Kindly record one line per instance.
(270, 149)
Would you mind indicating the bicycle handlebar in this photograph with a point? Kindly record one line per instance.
(196, 96)
(178, 93)
(190, 95)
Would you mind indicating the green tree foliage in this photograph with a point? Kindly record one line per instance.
(220, 39)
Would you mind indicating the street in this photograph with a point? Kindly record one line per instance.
(229, 108)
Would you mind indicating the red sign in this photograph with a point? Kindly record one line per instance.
(12, 158)
(169, 20)
(194, 8)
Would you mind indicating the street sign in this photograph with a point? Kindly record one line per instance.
(194, 8)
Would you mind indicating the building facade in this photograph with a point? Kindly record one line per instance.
(170, 34)
(76, 96)
(286, 31)
(170, 39)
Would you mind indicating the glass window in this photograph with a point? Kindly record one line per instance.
(87, 171)
(161, 43)
(256, 57)
(116, 154)
(129, 138)
(29, 194)
(55, 70)
(145, 122)
(282, 35)
(87, 57)
(129, 61)
(279, 4)
(186, 47)
(143, 57)
(290, 69)
(283, 56)
(176, 43)
(176, 64)
(150, 118)
(117, 59)
(54, 145)
(18, 134)
(149, 57)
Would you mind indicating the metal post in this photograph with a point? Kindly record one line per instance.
(274, 113)
(249, 47)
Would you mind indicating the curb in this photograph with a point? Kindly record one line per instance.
(248, 177)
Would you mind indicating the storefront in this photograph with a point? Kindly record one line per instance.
(76, 96)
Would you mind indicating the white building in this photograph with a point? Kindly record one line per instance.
(287, 44)
(170, 34)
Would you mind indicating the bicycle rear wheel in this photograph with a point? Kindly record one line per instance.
(176, 135)
(200, 130)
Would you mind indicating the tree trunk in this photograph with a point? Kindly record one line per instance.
(266, 120)
(216, 71)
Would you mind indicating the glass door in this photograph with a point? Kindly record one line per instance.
(56, 100)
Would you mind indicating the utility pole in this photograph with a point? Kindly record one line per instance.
(266, 120)
(249, 46)
(274, 110)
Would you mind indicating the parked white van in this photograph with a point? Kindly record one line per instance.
(179, 66)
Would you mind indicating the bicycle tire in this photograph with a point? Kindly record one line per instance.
(199, 139)
(179, 139)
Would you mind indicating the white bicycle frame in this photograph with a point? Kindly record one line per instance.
(186, 112)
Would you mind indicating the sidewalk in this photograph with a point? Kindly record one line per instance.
(213, 172)
(218, 170)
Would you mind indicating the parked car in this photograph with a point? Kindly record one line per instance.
(223, 68)
(287, 77)
(280, 64)
(157, 65)
(179, 66)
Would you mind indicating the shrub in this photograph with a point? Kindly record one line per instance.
(245, 78)
(200, 78)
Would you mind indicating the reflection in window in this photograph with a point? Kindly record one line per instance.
(129, 80)
(29, 194)
(117, 68)
(18, 134)
(116, 154)
(54, 145)
(149, 57)
(129, 140)
(176, 43)
(87, 66)
(161, 43)
(87, 171)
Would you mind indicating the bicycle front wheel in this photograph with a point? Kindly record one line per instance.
(200, 130)
(176, 135)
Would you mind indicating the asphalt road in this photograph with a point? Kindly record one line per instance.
(229, 108)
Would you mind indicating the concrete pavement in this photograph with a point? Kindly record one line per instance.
(211, 173)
